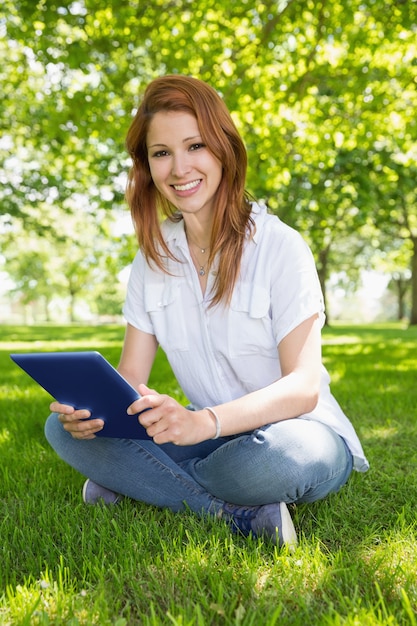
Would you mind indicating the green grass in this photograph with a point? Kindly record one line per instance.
(62, 562)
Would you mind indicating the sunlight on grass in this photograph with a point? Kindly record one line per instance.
(313, 576)
(135, 565)
(48, 601)
(382, 432)
(4, 436)
(53, 346)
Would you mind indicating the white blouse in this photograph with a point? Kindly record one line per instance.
(221, 353)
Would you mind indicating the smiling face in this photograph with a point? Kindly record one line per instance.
(183, 169)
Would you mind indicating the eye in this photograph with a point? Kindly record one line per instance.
(159, 153)
(197, 146)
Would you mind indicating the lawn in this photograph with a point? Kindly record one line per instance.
(356, 564)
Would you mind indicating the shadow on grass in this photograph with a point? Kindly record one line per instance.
(364, 533)
(374, 373)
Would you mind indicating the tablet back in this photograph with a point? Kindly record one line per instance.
(86, 380)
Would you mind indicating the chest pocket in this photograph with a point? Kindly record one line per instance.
(249, 322)
(164, 306)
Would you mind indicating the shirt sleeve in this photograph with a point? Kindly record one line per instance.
(134, 309)
(296, 293)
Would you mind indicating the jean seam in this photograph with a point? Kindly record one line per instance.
(190, 484)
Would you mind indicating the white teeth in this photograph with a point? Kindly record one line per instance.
(186, 187)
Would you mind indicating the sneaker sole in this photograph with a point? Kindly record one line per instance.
(98, 498)
(85, 491)
(288, 536)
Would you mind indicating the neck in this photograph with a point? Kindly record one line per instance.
(199, 240)
(198, 229)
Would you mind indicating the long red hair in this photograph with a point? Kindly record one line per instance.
(231, 221)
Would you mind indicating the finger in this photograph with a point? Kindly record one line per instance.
(91, 426)
(145, 391)
(150, 401)
(80, 427)
(76, 416)
(147, 421)
(57, 407)
(66, 419)
(83, 436)
(158, 429)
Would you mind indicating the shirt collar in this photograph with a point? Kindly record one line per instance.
(259, 213)
(174, 231)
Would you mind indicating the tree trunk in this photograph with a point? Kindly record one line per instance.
(72, 315)
(413, 316)
(322, 273)
(401, 284)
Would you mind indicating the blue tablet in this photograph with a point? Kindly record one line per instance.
(86, 380)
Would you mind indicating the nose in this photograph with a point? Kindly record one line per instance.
(180, 165)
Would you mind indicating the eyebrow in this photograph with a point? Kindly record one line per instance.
(163, 145)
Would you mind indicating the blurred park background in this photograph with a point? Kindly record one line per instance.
(323, 92)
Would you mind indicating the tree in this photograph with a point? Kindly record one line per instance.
(400, 283)
(313, 86)
(71, 261)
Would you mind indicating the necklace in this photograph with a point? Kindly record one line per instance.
(202, 250)
(202, 268)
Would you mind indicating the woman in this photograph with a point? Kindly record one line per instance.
(232, 296)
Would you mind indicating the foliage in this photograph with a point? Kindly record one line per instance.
(75, 261)
(67, 563)
(324, 94)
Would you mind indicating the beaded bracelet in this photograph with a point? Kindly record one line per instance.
(216, 417)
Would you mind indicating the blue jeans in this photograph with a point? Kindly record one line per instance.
(295, 460)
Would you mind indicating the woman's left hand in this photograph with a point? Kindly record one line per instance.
(170, 422)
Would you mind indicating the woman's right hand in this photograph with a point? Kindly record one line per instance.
(75, 421)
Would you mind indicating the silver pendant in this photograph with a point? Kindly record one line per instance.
(202, 271)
